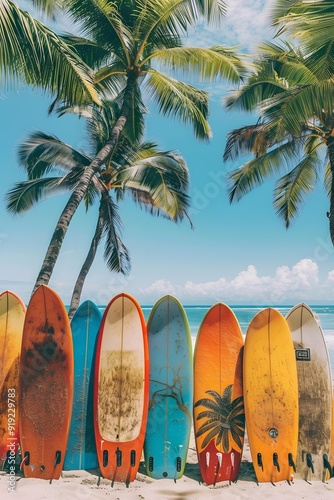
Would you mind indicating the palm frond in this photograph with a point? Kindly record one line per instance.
(210, 435)
(175, 16)
(159, 182)
(292, 188)
(31, 51)
(255, 139)
(104, 22)
(257, 89)
(184, 101)
(207, 63)
(236, 434)
(115, 252)
(212, 423)
(90, 52)
(24, 195)
(51, 8)
(254, 172)
(40, 153)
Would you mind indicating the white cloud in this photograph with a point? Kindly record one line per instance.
(162, 287)
(330, 277)
(246, 24)
(300, 282)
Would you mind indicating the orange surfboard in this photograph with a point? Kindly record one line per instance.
(121, 389)
(12, 312)
(46, 385)
(219, 418)
(271, 396)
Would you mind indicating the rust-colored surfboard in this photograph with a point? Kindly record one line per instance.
(12, 312)
(46, 385)
(219, 418)
(271, 396)
(121, 389)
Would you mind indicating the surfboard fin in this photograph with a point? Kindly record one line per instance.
(275, 462)
(118, 457)
(25, 460)
(56, 462)
(291, 462)
(309, 462)
(327, 465)
(232, 466)
(259, 460)
(133, 458)
(220, 461)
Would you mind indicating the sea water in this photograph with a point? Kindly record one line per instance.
(244, 314)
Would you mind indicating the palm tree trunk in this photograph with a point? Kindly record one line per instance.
(330, 145)
(65, 218)
(75, 300)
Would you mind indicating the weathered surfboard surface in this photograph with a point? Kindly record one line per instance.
(121, 389)
(315, 394)
(12, 313)
(46, 385)
(81, 448)
(171, 390)
(219, 418)
(271, 396)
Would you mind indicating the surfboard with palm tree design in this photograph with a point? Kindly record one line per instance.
(219, 418)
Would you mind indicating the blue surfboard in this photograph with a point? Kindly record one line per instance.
(81, 450)
(171, 390)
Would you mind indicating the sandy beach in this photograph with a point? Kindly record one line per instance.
(83, 485)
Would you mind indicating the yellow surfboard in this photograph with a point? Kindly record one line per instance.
(271, 396)
(12, 313)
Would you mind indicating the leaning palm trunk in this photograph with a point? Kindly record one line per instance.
(75, 300)
(330, 145)
(63, 223)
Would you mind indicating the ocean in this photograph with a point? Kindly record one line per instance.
(245, 314)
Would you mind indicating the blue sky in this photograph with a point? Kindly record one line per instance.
(237, 254)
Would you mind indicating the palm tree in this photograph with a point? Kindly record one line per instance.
(127, 43)
(294, 134)
(31, 52)
(156, 180)
(224, 419)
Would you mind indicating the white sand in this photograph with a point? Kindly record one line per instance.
(82, 485)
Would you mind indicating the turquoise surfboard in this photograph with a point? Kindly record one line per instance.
(81, 450)
(171, 390)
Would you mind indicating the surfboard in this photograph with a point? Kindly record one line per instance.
(46, 385)
(121, 389)
(219, 419)
(271, 396)
(171, 390)
(331, 457)
(12, 312)
(81, 449)
(315, 394)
